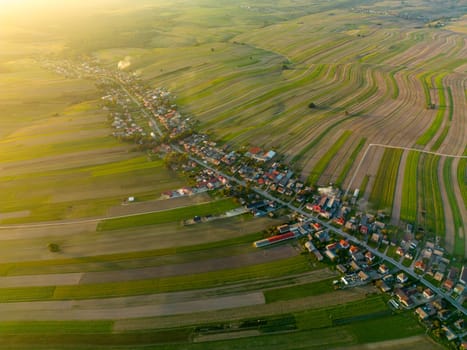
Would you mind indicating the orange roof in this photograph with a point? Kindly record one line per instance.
(255, 150)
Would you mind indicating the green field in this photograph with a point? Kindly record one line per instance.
(409, 192)
(462, 178)
(323, 162)
(300, 291)
(431, 210)
(350, 161)
(459, 241)
(212, 208)
(382, 193)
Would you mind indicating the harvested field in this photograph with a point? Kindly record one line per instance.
(55, 311)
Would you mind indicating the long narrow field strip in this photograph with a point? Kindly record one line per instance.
(173, 215)
(382, 193)
(438, 121)
(114, 308)
(350, 161)
(432, 209)
(442, 136)
(322, 164)
(56, 327)
(299, 291)
(409, 192)
(294, 265)
(137, 259)
(450, 103)
(316, 140)
(459, 241)
(425, 79)
(462, 178)
(395, 87)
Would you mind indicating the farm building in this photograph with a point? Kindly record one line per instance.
(274, 239)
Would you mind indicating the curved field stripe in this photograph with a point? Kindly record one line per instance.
(350, 161)
(395, 87)
(382, 193)
(459, 242)
(439, 141)
(451, 103)
(434, 127)
(313, 143)
(409, 192)
(269, 95)
(322, 164)
(424, 79)
(364, 184)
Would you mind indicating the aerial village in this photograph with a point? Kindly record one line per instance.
(358, 245)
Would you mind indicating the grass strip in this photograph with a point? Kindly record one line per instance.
(54, 327)
(350, 161)
(432, 210)
(323, 163)
(462, 178)
(173, 215)
(409, 189)
(316, 140)
(459, 242)
(382, 194)
(438, 121)
(299, 291)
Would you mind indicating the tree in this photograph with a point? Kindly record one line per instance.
(53, 247)
(312, 105)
